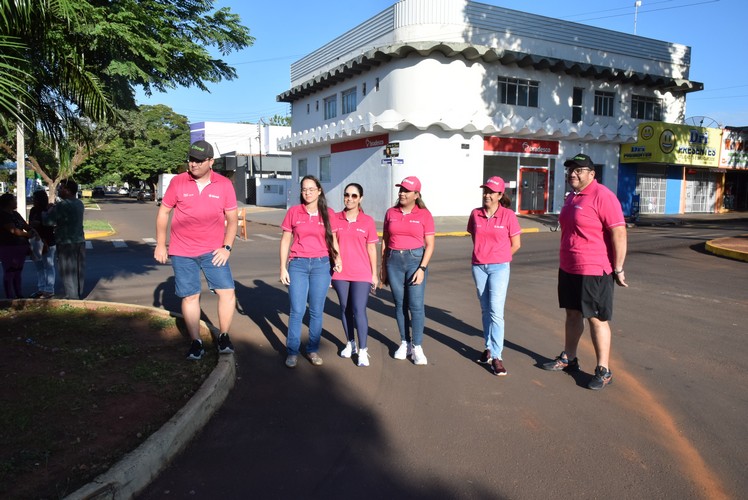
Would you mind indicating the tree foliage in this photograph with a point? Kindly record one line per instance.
(282, 121)
(69, 67)
(149, 141)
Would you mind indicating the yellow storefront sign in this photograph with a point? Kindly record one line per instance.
(674, 144)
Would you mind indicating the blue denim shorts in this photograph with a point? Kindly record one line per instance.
(187, 274)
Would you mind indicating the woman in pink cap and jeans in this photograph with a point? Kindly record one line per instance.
(407, 246)
(496, 237)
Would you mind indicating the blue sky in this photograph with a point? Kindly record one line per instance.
(286, 30)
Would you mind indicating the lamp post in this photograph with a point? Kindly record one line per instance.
(637, 4)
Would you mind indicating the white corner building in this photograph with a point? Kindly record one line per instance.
(454, 91)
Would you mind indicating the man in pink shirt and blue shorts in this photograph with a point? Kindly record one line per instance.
(591, 256)
(202, 231)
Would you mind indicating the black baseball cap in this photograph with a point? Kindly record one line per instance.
(581, 160)
(201, 150)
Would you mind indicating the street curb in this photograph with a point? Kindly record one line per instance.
(138, 468)
(91, 235)
(714, 247)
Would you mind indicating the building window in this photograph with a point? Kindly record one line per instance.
(348, 100)
(302, 168)
(331, 107)
(604, 103)
(324, 169)
(646, 108)
(576, 105)
(376, 84)
(307, 108)
(363, 88)
(518, 92)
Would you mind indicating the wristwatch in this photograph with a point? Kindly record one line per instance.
(227, 247)
(422, 267)
(616, 272)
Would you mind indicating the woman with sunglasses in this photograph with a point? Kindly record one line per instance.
(407, 246)
(496, 237)
(307, 247)
(357, 239)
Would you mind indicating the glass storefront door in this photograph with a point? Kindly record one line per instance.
(533, 190)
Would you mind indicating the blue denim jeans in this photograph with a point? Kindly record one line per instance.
(492, 281)
(410, 311)
(353, 297)
(310, 280)
(45, 271)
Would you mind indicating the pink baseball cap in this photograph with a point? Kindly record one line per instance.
(495, 184)
(410, 183)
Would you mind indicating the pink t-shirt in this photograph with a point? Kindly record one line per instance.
(199, 223)
(492, 236)
(407, 231)
(586, 219)
(308, 232)
(353, 240)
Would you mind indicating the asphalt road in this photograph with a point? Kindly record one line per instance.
(673, 424)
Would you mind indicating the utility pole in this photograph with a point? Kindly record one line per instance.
(259, 140)
(637, 4)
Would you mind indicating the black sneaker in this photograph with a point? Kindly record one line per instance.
(562, 363)
(224, 344)
(485, 358)
(602, 377)
(196, 350)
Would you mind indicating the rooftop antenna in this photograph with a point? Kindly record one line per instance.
(637, 4)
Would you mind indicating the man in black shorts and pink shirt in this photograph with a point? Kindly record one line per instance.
(591, 256)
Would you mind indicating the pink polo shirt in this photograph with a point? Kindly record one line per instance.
(354, 239)
(407, 231)
(199, 223)
(492, 236)
(308, 232)
(586, 219)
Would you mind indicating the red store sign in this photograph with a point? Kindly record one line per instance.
(377, 141)
(524, 146)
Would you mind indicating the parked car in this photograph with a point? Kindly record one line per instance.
(134, 192)
(123, 191)
(98, 192)
(146, 195)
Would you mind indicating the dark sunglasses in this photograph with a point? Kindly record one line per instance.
(195, 160)
(351, 195)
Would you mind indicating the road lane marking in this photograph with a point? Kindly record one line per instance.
(119, 243)
(268, 237)
(150, 241)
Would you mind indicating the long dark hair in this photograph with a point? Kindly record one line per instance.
(322, 210)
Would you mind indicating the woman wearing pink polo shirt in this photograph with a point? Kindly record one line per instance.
(496, 237)
(357, 239)
(407, 246)
(307, 247)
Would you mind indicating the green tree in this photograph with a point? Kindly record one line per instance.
(150, 141)
(283, 121)
(68, 66)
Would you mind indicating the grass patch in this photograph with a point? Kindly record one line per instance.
(80, 387)
(96, 225)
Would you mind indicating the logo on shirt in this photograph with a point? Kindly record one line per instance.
(414, 221)
(214, 196)
(186, 195)
(360, 230)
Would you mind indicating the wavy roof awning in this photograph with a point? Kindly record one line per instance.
(377, 56)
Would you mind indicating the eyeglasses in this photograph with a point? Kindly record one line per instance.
(351, 195)
(195, 160)
(577, 170)
(309, 190)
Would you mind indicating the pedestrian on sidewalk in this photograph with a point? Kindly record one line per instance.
(308, 246)
(203, 230)
(67, 218)
(496, 237)
(591, 257)
(45, 263)
(14, 245)
(407, 246)
(357, 239)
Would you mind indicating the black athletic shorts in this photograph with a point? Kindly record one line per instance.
(593, 295)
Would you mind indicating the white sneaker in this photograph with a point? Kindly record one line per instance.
(419, 358)
(349, 350)
(363, 357)
(403, 351)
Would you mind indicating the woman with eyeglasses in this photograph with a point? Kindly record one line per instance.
(407, 246)
(357, 239)
(307, 247)
(496, 237)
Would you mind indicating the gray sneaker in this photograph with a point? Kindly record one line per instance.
(291, 360)
(315, 358)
